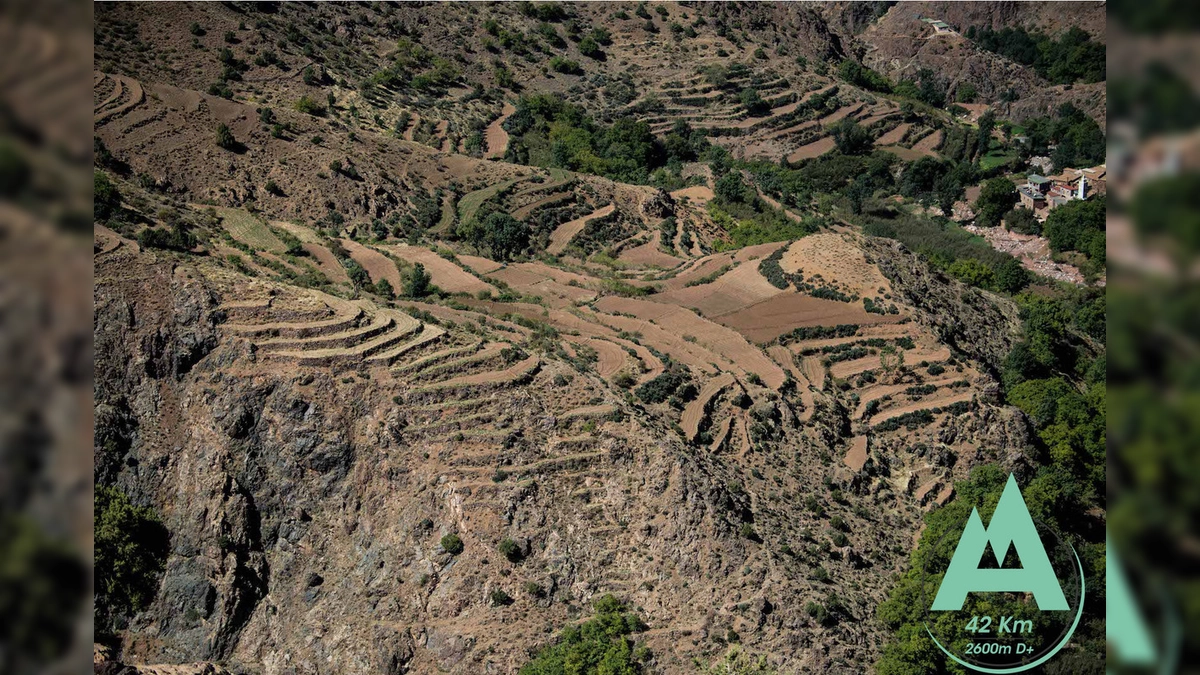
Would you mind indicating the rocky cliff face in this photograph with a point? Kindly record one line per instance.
(899, 44)
(982, 325)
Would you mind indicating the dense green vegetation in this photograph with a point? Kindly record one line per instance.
(948, 247)
(934, 182)
(749, 220)
(1073, 57)
(503, 236)
(1053, 499)
(600, 645)
(42, 584)
(927, 87)
(106, 198)
(1154, 381)
(1080, 226)
(1167, 207)
(548, 131)
(998, 197)
(1079, 140)
(131, 546)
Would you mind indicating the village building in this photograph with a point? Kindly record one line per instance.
(939, 27)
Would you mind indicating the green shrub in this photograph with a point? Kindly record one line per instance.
(131, 547)
(452, 544)
(310, 107)
(500, 598)
(661, 388)
(511, 550)
(602, 644)
(417, 282)
(225, 137)
(42, 584)
(106, 198)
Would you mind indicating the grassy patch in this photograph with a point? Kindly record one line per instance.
(249, 229)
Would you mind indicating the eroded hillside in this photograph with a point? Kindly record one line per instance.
(409, 396)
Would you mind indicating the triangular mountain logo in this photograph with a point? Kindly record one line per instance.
(1011, 525)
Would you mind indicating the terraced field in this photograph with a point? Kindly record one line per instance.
(249, 229)
(470, 202)
(563, 234)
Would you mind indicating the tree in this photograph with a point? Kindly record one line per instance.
(998, 197)
(1073, 226)
(890, 359)
(753, 102)
(131, 546)
(418, 282)
(857, 192)
(1022, 221)
(106, 198)
(948, 190)
(511, 550)
(987, 122)
(225, 137)
(384, 289)
(972, 272)
(14, 169)
(852, 138)
(730, 188)
(310, 107)
(42, 584)
(1011, 276)
(599, 645)
(499, 233)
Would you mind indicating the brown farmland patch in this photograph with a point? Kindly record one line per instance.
(697, 409)
(524, 212)
(834, 256)
(695, 329)
(876, 392)
(895, 135)
(926, 145)
(650, 254)
(673, 345)
(856, 456)
(564, 233)
(321, 257)
(814, 149)
(735, 290)
(495, 136)
(612, 357)
(848, 368)
(445, 274)
(767, 320)
(697, 194)
(480, 265)
(942, 400)
(377, 265)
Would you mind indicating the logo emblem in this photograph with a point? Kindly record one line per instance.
(1009, 609)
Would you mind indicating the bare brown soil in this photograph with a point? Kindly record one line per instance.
(495, 136)
(377, 265)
